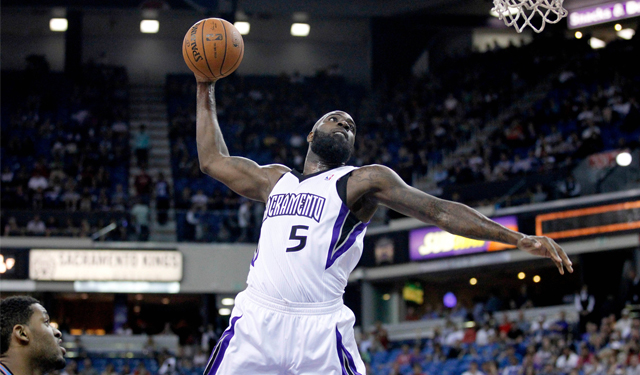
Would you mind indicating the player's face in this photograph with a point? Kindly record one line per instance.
(45, 341)
(338, 123)
(333, 138)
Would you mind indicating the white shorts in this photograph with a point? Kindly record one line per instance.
(271, 336)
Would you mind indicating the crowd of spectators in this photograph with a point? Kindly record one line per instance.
(511, 118)
(507, 132)
(65, 150)
(546, 345)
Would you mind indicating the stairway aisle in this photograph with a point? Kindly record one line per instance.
(148, 107)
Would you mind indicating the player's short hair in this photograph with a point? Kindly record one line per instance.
(13, 310)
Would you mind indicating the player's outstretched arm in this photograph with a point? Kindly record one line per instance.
(387, 188)
(241, 175)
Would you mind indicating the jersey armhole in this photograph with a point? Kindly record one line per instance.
(341, 187)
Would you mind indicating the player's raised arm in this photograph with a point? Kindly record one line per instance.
(241, 175)
(385, 187)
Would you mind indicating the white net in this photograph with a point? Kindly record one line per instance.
(523, 13)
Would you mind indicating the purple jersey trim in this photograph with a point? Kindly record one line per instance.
(337, 230)
(347, 244)
(221, 348)
(346, 360)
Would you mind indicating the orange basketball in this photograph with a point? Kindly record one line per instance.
(213, 48)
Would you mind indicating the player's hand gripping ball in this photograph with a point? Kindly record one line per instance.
(213, 48)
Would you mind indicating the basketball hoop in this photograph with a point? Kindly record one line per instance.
(511, 11)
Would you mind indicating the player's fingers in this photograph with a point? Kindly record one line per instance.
(553, 252)
(565, 258)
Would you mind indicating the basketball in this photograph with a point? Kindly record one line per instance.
(213, 48)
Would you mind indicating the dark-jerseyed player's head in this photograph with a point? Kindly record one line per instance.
(332, 137)
(27, 336)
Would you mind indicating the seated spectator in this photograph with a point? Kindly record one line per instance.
(88, 369)
(417, 369)
(513, 368)
(11, 228)
(36, 227)
(473, 369)
(404, 358)
(569, 187)
(109, 370)
(37, 181)
(200, 200)
(568, 360)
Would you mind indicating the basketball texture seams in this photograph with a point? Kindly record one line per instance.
(213, 48)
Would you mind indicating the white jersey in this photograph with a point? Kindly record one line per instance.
(309, 241)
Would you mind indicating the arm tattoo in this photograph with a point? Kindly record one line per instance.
(453, 217)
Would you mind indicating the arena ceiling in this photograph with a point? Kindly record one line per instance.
(265, 9)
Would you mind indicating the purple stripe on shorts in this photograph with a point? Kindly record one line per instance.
(337, 229)
(346, 360)
(347, 244)
(221, 348)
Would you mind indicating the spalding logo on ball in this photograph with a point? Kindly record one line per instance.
(213, 48)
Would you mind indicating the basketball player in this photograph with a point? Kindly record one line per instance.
(29, 345)
(291, 319)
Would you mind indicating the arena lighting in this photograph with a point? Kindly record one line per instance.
(228, 301)
(624, 159)
(149, 26)
(224, 311)
(626, 33)
(450, 300)
(617, 27)
(386, 296)
(536, 279)
(243, 27)
(6, 264)
(596, 43)
(521, 275)
(300, 29)
(578, 35)
(58, 24)
(473, 281)
(54, 325)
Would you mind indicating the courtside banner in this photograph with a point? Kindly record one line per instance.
(105, 265)
(433, 242)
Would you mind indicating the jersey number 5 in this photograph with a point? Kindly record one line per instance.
(295, 236)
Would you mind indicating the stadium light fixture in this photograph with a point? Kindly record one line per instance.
(149, 26)
(300, 29)
(243, 27)
(624, 159)
(578, 35)
(473, 281)
(596, 43)
(617, 27)
(224, 311)
(536, 279)
(228, 301)
(521, 275)
(386, 296)
(626, 33)
(58, 24)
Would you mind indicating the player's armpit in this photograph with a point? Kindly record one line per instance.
(246, 177)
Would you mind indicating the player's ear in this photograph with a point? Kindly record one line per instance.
(310, 137)
(21, 333)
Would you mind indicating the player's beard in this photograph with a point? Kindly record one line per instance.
(51, 362)
(333, 149)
